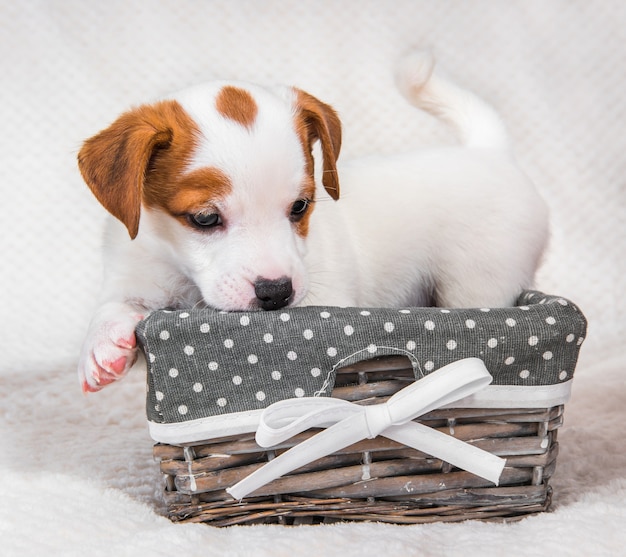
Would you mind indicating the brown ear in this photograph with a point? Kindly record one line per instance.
(115, 161)
(321, 122)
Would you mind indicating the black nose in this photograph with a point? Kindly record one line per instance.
(273, 294)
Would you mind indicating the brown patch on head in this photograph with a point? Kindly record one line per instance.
(237, 104)
(315, 120)
(132, 159)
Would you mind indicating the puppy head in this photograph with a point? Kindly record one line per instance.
(224, 174)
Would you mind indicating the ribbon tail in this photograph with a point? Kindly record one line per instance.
(445, 447)
(337, 437)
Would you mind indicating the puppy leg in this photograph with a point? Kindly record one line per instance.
(110, 347)
(492, 281)
(477, 293)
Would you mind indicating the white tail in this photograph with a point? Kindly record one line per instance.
(477, 124)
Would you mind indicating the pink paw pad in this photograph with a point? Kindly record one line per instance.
(130, 342)
(87, 388)
(117, 366)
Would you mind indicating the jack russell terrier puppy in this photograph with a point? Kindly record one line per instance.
(219, 202)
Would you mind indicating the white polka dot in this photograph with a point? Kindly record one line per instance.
(445, 311)
(228, 343)
(580, 341)
(570, 338)
(222, 402)
(485, 310)
(429, 325)
(348, 330)
(237, 380)
(284, 317)
(205, 328)
(562, 301)
(316, 372)
(276, 375)
(307, 334)
(299, 392)
(550, 320)
(533, 340)
(183, 315)
(372, 348)
(151, 357)
(324, 315)
(563, 375)
(492, 342)
(164, 335)
(509, 360)
(547, 355)
(189, 350)
(389, 327)
(451, 344)
(253, 359)
(213, 366)
(268, 338)
(197, 387)
(470, 323)
(244, 321)
(260, 396)
(182, 409)
(291, 355)
(159, 395)
(411, 345)
(429, 366)
(511, 322)
(332, 351)
(524, 308)
(524, 374)
(365, 313)
(173, 372)
(405, 311)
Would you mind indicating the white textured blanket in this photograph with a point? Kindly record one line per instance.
(78, 476)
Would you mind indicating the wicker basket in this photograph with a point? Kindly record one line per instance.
(375, 479)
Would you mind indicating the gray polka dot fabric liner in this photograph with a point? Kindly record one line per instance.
(204, 363)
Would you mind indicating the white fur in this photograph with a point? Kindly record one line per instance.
(460, 223)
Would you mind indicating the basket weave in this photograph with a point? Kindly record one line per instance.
(377, 479)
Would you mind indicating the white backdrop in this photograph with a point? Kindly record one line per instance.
(555, 70)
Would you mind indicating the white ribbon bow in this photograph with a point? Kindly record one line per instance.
(393, 419)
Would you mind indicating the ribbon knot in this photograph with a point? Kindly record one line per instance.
(378, 419)
(348, 423)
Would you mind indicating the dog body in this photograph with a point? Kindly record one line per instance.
(217, 189)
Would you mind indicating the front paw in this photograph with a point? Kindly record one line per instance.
(109, 350)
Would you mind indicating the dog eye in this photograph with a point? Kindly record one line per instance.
(299, 208)
(205, 220)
